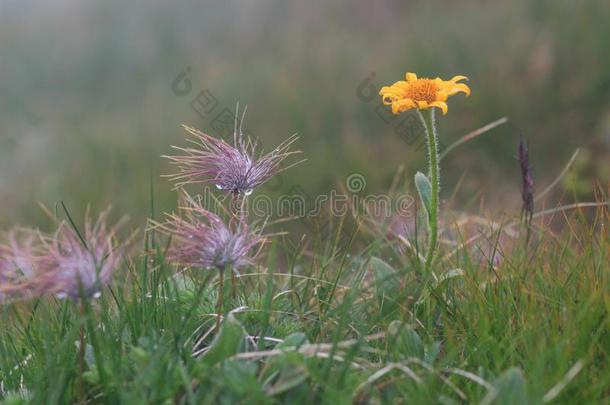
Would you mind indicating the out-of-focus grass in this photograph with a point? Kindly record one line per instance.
(327, 321)
(86, 105)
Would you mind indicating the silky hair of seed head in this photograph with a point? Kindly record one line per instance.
(18, 262)
(237, 168)
(201, 238)
(66, 264)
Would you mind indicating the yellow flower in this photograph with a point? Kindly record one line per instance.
(422, 93)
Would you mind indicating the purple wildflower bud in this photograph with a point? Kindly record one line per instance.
(65, 264)
(18, 263)
(237, 168)
(202, 239)
(75, 264)
(527, 181)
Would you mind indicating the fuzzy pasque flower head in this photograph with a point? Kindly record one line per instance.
(202, 239)
(237, 168)
(74, 264)
(66, 264)
(18, 263)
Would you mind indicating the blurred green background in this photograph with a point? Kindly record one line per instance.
(87, 104)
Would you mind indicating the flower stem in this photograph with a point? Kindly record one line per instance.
(427, 117)
(233, 284)
(236, 211)
(221, 287)
(234, 224)
(81, 355)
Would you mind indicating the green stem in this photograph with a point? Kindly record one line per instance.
(233, 283)
(81, 355)
(221, 287)
(427, 117)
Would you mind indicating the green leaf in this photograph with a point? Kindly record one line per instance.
(406, 341)
(443, 280)
(432, 351)
(386, 284)
(239, 377)
(508, 389)
(424, 189)
(227, 343)
(294, 340)
(16, 398)
(289, 378)
(448, 275)
(287, 371)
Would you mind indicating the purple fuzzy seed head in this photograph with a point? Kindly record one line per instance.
(202, 239)
(18, 262)
(72, 266)
(64, 264)
(237, 168)
(75, 265)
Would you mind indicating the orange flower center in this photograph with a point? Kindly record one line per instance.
(421, 90)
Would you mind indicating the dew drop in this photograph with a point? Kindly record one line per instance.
(248, 192)
(218, 186)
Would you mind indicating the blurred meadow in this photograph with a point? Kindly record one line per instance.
(87, 104)
(458, 302)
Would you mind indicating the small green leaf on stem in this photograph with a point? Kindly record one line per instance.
(424, 189)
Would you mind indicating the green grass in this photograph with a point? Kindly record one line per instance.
(329, 320)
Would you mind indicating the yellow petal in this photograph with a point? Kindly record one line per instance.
(422, 105)
(389, 94)
(402, 105)
(456, 79)
(387, 89)
(411, 77)
(396, 88)
(440, 104)
(406, 102)
(401, 84)
(459, 87)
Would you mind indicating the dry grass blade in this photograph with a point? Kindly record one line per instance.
(558, 179)
(299, 276)
(410, 246)
(473, 135)
(470, 376)
(385, 370)
(309, 349)
(570, 375)
(536, 215)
